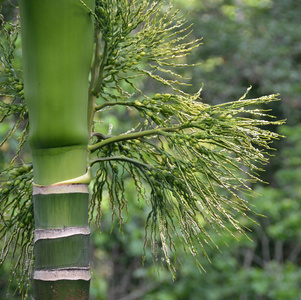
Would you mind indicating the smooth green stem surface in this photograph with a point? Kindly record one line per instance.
(53, 165)
(61, 210)
(57, 49)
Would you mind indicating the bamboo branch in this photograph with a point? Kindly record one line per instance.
(104, 60)
(134, 135)
(96, 76)
(121, 158)
(126, 103)
(94, 71)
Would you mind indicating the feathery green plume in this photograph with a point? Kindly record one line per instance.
(190, 162)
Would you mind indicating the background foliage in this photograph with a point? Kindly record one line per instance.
(245, 43)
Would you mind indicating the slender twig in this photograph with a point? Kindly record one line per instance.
(134, 135)
(99, 135)
(100, 78)
(126, 103)
(121, 158)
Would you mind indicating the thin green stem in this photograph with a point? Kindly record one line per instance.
(121, 158)
(96, 76)
(134, 135)
(103, 63)
(94, 72)
(106, 104)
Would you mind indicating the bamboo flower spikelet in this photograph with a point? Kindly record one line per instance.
(190, 162)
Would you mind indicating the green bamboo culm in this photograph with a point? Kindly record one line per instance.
(61, 242)
(57, 45)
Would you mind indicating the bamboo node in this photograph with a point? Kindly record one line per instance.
(60, 189)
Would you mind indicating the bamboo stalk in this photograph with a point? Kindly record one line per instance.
(57, 45)
(61, 242)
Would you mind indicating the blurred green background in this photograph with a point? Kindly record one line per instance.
(245, 43)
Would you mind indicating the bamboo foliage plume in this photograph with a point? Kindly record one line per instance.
(190, 162)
